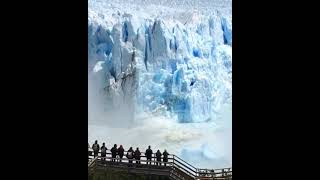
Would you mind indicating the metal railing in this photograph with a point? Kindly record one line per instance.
(177, 166)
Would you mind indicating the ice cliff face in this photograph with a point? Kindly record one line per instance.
(179, 68)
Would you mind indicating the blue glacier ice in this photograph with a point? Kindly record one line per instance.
(160, 71)
(181, 69)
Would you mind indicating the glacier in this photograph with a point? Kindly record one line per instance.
(159, 61)
(163, 67)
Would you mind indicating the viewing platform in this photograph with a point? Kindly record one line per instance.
(175, 169)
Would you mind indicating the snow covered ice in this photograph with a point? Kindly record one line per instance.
(164, 70)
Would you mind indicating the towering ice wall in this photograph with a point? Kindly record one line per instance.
(176, 67)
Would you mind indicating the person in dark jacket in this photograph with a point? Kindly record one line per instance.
(158, 156)
(103, 152)
(95, 148)
(165, 157)
(137, 155)
(120, 152)
(148, 154)
(114, 151)
(130, 154)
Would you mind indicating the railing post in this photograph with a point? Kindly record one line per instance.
(197, 172)
(173, 160)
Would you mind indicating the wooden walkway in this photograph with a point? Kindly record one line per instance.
(175, 168)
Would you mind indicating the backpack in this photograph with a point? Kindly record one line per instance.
(103, 150)
(129, 154)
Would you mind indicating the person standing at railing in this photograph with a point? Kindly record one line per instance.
(165, 157)
(103, 152)
(120, 152)
(114, 151)
(130, 154)
(158, 156)
(95, 148)
(137, 155)
(149, 153)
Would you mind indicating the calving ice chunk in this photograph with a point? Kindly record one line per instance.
(180, 68)
(98, 66)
